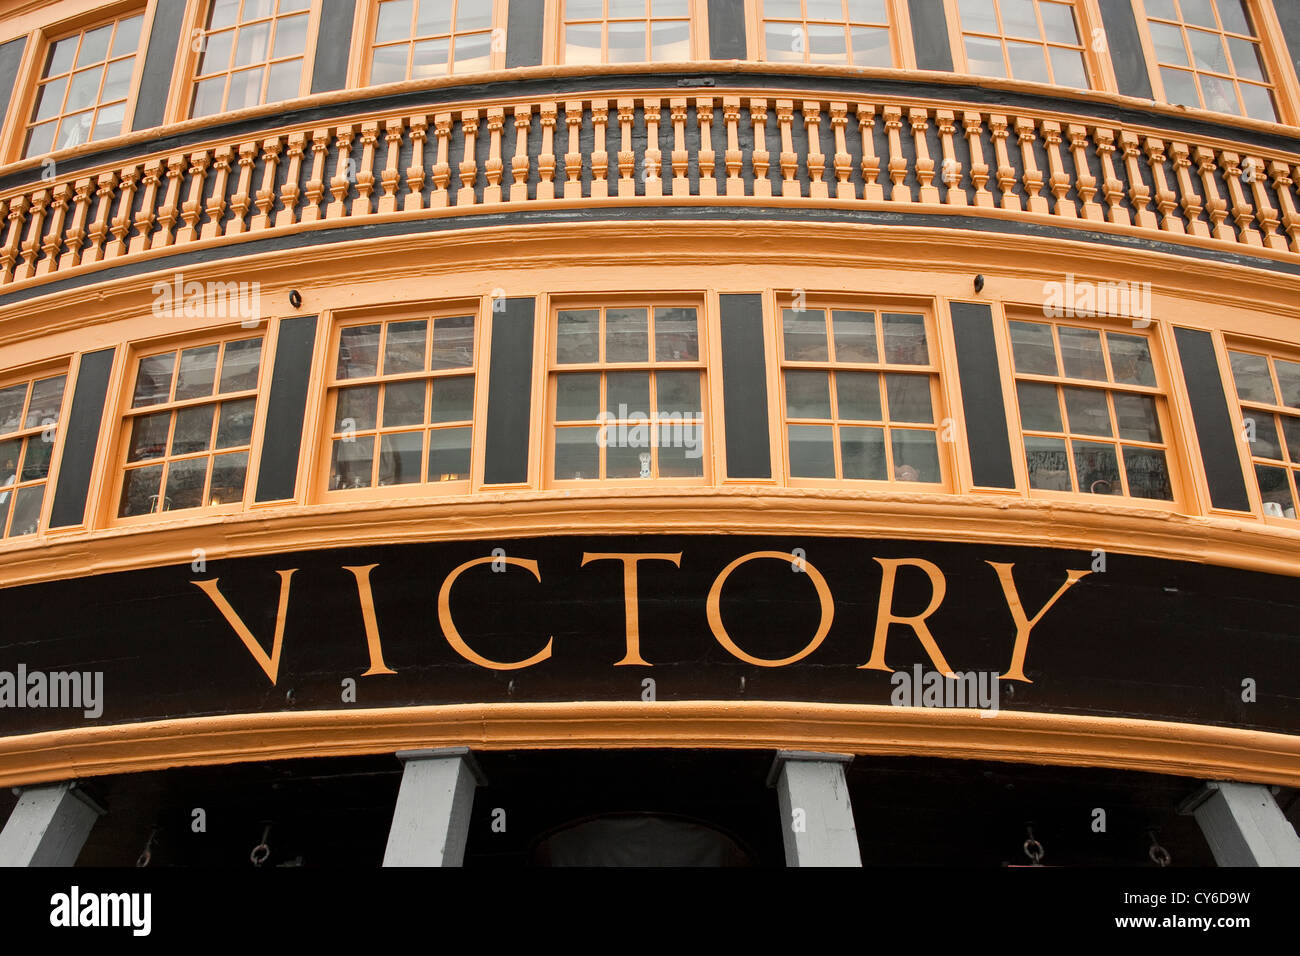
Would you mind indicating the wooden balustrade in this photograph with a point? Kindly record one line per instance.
(656, 149)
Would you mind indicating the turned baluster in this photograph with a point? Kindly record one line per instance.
(920, 122)
(17, 212)
(170, 212)
(391, 178)
(345, 171)
(626, 155)
(844, 189)
(1265, 214)
(106, 187)
(53, 240)
(599, 154)
(1166, 199)
(1111, 186)
(496, 120)
(1085, 183)
(320, 145)
(31, 246)
(1216, 207)
(1033, 177)
(707, 156)
(1058, 180)
(812, 120)
(681, 185)
(121, 223)
(546, 157)
(654, 157)
(414, 198)
(1283, 184)
(733, 158)
(216, 204)
(899, 191)
(468, 168)
(1190, 201)
(871, 188)
(145, 218)
(296, 146)
(761, 158)
(1243, 214)
(951, 170)
(573, 110)
(520, 164)
(77, 231)
(1006, 172)
(366, 170)
(789, 161)
(1138, 193)
(972, 123)
(242, 200)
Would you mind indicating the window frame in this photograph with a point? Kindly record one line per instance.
(1282, 78)
(125, 413)
(184, 78)
(1100, 69)
(711, 470)
(553, 37)
(1167, 399)
(30, 374)
(1230, 342)
(900, 38)
(940, 393)
(362, 47)
(319, 492)
(32, 67)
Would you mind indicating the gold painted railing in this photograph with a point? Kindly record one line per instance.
(655, 149)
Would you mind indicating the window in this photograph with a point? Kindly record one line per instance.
(416, 39)
(1035, 40)
(29, 414)
(860, 392)
(1091, 413)
(625, 31)
(827, 31)
(84, 87)
(1268, 389)
(253, 53)
(1208, 55)
(403, 402)
(626, 393)
(190, 428)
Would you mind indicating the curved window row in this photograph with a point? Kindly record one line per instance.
(82, 76)
(864, 393)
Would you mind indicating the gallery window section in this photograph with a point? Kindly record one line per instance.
(84, 87)
(252, 52)
(627, 387)
(1040, 41)
(860, 394)
(1091, 411)
(1208, 55)
(29, 418)
(1268, 389)
(625, 31)
(418, 39)
(854, 32)
(189, 430)
(403, 403)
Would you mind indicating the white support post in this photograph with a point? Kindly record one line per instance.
(1244, 825)
(431, 819)
(816, 815)
(49, 826)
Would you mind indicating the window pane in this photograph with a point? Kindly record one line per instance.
(984, 57)
(117, 81)
(1081, 354)
(827, 44)
(628, 394)
(83, 91)
(245, 89)
(61, 54)
(185, 482)
(149, 436)
(1161, 8)
(1260, 103)
(434, 17)
(577, 456)
(1048, 464)
(671, 8)
(1291, 429)
(1168, 41)
(108, 121)
(228, 474)
(584, 9)
(1288, 376)
(1261, 430)
(388, 65)
(352, 463)
(1097, 468)
(207, 96)
(284, 82)
(127, 37)
(358, 351)
(1136, 416)
(404, 350)
(679, 452)
(857, 396)
(1018, 19)
(1068, 68)
(978, 16)
(905, 339)
(624, 451)
(627, 42)
(812, 452)
(1148, 474)
(909, 398)
(1200, 12)
(677, 335)
(429, 58)
(867, 11)
(193, 430)
(46, 401)
(678, 393)
(12, 400)
(290, 37)
(582, 45)
(1028, 61)
(1180, 87)
(855, 336)
(36, 461)
(224, 13)
(1219, 95)
(236, 425)
(670, 41)
(40, 140)
(453, 399)
(1088, 411)
(27, 511)
(1246, 59)
(1235, 17)
(871, 47)
(453, 342)
(198, 372)
(627, 8)
(401, 459)
(357, 408)
(805, 336)
(1207, 51)
(1040, 410)
(627, 335)
(404, 402)
(252, 44)
(1275, 491)
(94, 45)
(825, 10)
(916, 455)
(449, 454)
(153, 380)
(1130, 359)
(473, 53)
(49, 100)
(577, 337)
(140, 491)
(1058, 22)
(577, 397)
(784, 42)
(394, 20)
(862, 453)
(807, 394)
(9, 454)
(1250, 372)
